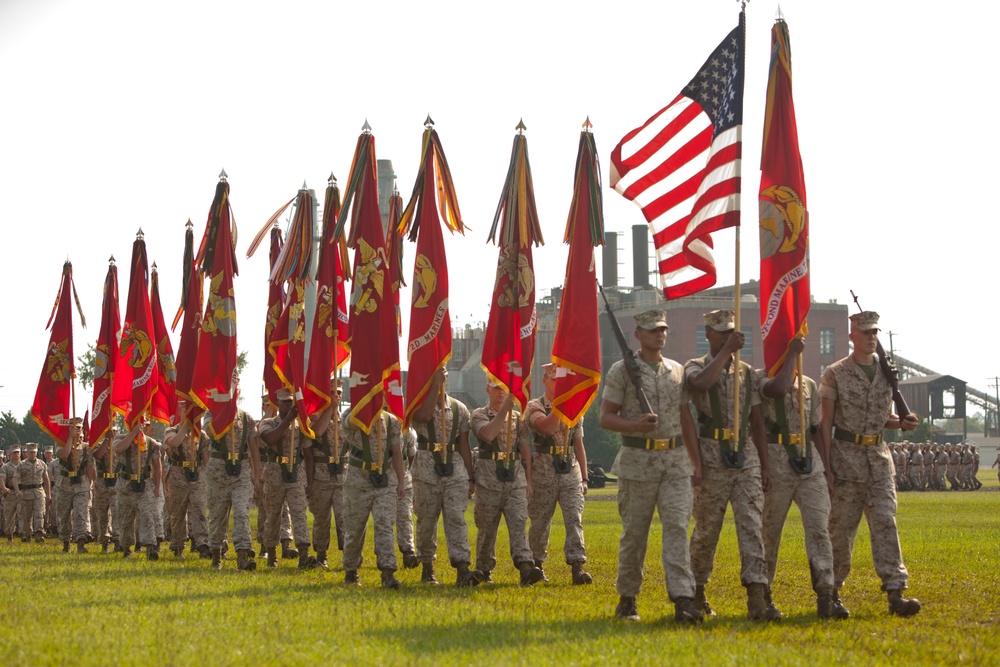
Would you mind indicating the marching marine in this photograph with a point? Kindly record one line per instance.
(139, 477)
(857, 407)
(76, 473)
(558, 474)
(657, 466)
(733, 472)
(187, 500)
(11, 516)
(796, 475)
(326, 496)
(32, 487)
(503, 480)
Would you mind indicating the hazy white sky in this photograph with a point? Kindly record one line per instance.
(118, 115)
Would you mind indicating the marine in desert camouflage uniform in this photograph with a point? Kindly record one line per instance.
(405, 539)
(503, 479)
(733, 471)
(11, 516)
(657, 467)
(558, 473)
(286, 478)
(857, 406)
(187, 501)
(443, 481)
(76, 474)
(373, 484)
(797, 475)
(32, 487)
(103, 508)
(140, 475)
(326, 487)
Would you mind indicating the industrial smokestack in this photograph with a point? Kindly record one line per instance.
(609, 259)
(640, 256)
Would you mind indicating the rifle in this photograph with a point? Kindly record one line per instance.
(628, 356)
(889, 372)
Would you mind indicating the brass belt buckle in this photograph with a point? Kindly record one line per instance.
(869, 440)
(661, 444)
(723, 434)
(559, 450)
(109, 475)
(794, 438)
(438, 447)
(232, 457)
(283, 460)
(331, 459)
(71, 474)
(501, 456)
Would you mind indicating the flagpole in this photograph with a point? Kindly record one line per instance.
(736, 356)
(802, 406)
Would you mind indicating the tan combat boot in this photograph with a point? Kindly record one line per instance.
(686, 611)
(245, 561)
(828, 604)
(389, 579)
(427, 576)
(701, 601)
(627, 610)
(580, 576)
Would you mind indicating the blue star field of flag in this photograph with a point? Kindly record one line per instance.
(718, 85)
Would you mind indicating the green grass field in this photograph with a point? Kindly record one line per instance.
(98, 609)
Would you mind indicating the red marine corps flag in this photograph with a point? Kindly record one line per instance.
(287, 348)
(432, 204)
(105, 357)
(51, 408)
(136, 374)
(374, 345)
(784, 220)
(682, 168)
(164, 407)
(393, 384)
(275, 304)
(577, 345)
(328, 348)
(213, 386)
(509, 344)
(192, 295)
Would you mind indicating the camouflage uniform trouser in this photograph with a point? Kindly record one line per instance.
(511, 503)
(286, 520)
(549, 489)
(361, 499)
(327, 495)
(10, 514)
(103, 512)
(719, 487)
(450, 497)
(917, 479)
(672, 499)
(186, 507)
(877, 501)
(276, 493)
(73, 510)
(404, 514)
(811, 495)
(952, 476)
(32, 508)
(136, 509)
(228, 492)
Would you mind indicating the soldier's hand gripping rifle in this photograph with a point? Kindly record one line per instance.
(889, 372)
(628, 356)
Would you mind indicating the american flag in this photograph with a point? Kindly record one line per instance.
(682, 168)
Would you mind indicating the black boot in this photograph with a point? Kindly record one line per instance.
(216, 555)
(427, 576)
(81, 545)
(530, 575)
(245, 561)
(903, 607)
(686, 611)
(65, 546)
(626, 609)
(306, 562)
(205, 552)
(466, 578)
(272, 557)
(321, 560)
(410, 560)
(580, 576)
(389, 579)
(351, 578)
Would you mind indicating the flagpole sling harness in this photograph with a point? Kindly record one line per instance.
(778, 433)
(71, 467)
(188, 465)
(362, 458)
(711, 427)
(442, 452)
(505, 458)
(334, 464)
(546, 444)
(136, 481)
(226, 449)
